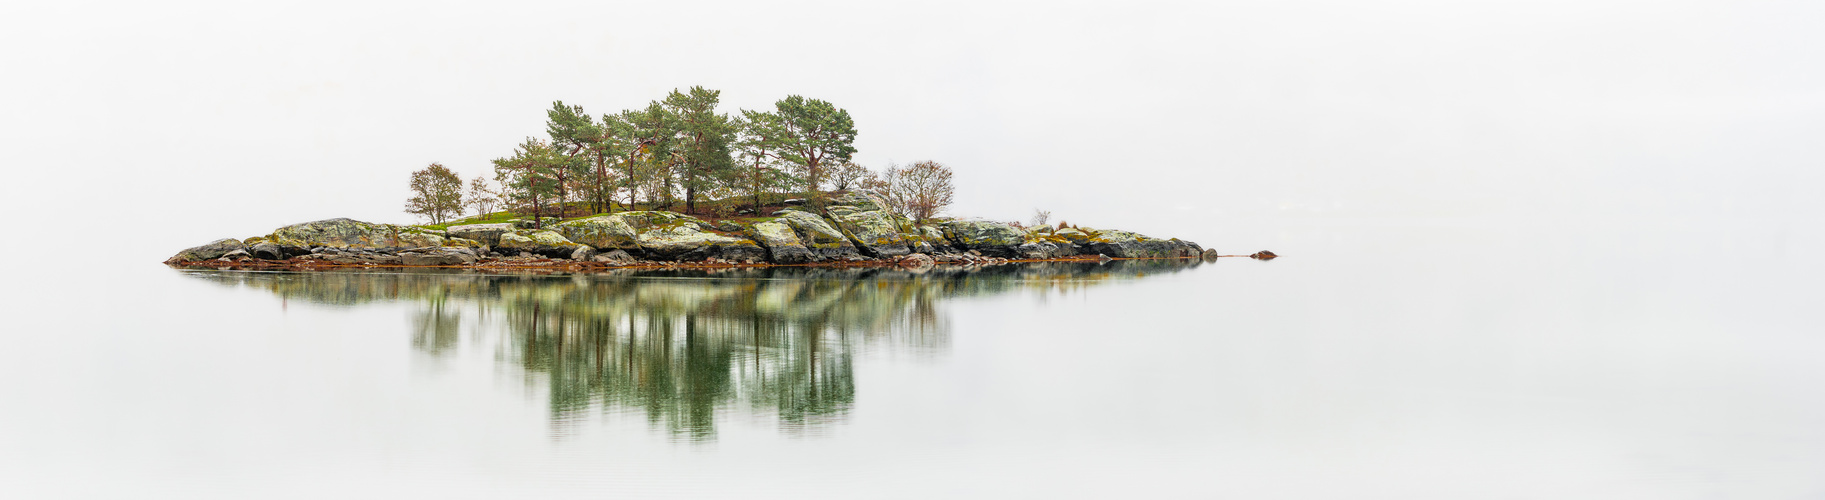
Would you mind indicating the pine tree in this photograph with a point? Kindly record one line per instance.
(529, 178)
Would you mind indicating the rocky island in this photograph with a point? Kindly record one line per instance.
(853, 229)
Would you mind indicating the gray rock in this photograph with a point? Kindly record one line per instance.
(213, 249)
(433, 259)
(616, 256)
(1125, 244)
(268, 251)
(237, 254)
(486, 234)
(583, 253)
(1045, 250)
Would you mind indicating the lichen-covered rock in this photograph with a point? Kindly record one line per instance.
(857, 201)
(660, 236)
(934, 237)
(603, 231)
(1073, 235)
(213, 249)
(543, 242)
(486, 234)
(995, 239)
(782, 244)
(462, 243)
(1045, 250)
(817, 235)
(875, 232)
(350, 233)
(416, 237)
(1125, 244)
(690, 242)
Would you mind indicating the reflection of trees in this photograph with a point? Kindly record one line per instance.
(681, 346)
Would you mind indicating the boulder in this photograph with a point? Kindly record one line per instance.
(582, 253)
(267, 250)
(435, 258)
(213, 249)
(236, 254)
(995, 239)
(483, 234)
(543, 242)
(817, 235)
(782, 244)
(1210, 255)
(917, 260)
(614, 257)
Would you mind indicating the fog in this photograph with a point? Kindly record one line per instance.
(1210, 121)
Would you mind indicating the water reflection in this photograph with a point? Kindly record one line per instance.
(682, 347)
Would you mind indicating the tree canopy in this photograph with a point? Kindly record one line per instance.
(437, 194)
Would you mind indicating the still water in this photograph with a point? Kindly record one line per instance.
(1370, 361)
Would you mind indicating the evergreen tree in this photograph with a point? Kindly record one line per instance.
(702, 140)
(585, 142)
(649, 162)
(806, 133)
(757, 171)
(529, 178)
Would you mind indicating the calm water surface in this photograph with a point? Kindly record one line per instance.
(1371, 361)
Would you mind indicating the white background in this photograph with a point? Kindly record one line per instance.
(1209, 121)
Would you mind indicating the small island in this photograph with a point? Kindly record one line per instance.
(694, 188)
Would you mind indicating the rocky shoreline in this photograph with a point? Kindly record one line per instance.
(854, 230)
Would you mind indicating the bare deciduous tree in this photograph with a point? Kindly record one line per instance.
(848, 174)
(917, 191)
(481, 197)
(1041, 217)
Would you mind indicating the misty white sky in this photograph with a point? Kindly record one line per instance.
(1173, 119)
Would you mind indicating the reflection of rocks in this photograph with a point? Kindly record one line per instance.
(684, 346)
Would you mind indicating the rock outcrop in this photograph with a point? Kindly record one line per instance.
(853, 227)
(817, 235)
(543, 242)
(995, 239)
(212, 250)
(781, 242)
(661, 236)
(874, 230)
